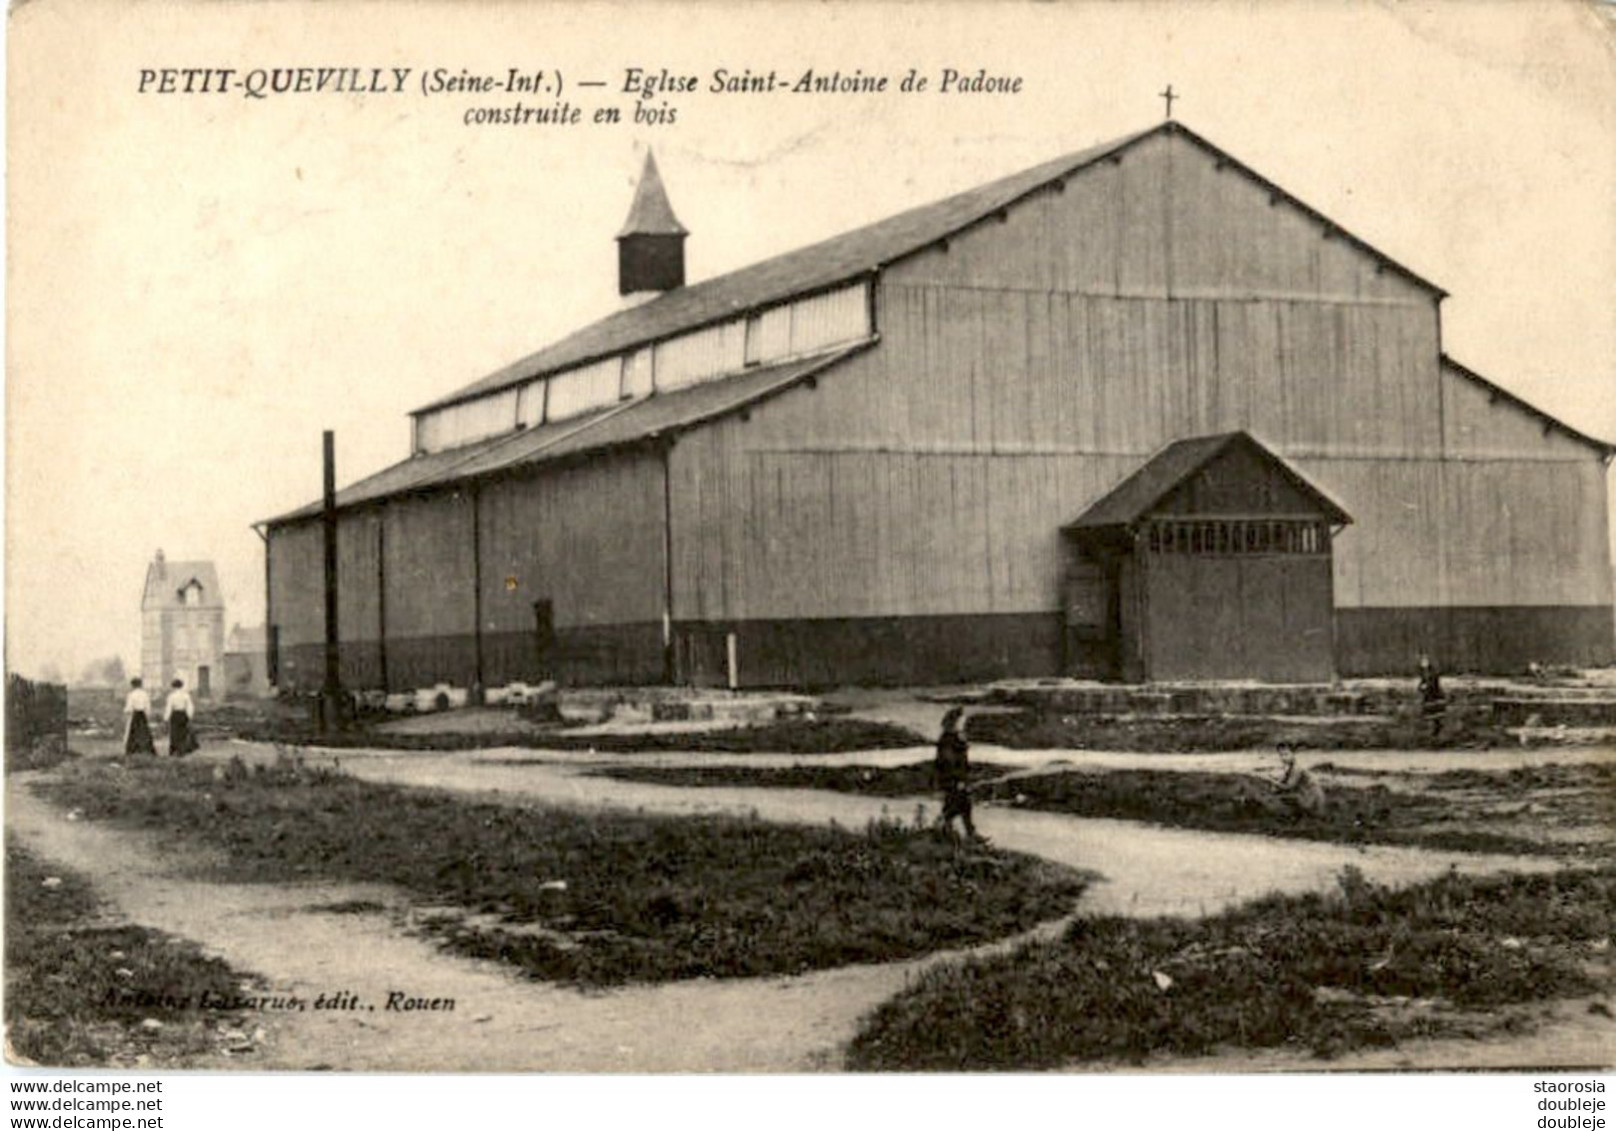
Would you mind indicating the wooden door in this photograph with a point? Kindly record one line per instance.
(544, 638)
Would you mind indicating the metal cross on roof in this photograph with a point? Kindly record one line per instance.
(1168, 96)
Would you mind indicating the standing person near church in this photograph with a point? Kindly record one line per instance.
(180, 713)
(137, 735)
(1433, 700)
(952, 770)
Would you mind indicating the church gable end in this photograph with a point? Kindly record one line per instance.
(1169, 214)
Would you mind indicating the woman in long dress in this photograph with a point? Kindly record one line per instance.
(137, 735)
(179, 711)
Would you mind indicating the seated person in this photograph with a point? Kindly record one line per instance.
(1298, 791)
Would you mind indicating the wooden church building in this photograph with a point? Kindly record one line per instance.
(1136, 413)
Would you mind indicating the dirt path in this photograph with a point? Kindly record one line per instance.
(501, 1023)
(1147, 870)
(1240, 761)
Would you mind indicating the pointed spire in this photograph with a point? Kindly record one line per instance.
(651, 246)
(651, 214)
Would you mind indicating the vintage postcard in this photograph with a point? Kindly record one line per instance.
(786, 538)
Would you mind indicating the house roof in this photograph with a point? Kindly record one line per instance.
(839, 259)
(621, 425)
(1605, 448)
(166, 580)
(651, 214)
(1140, 493)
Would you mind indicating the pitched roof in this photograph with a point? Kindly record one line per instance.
(620, 425)
(651, 214)
(1139, 494)
(163, 588)
(842, 258)
(819, 265)
(1604, 447)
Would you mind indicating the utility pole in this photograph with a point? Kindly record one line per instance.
(331, 691)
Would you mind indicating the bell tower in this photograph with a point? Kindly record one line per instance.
(651, 246)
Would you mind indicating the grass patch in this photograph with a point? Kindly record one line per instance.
(1363, 966)
(350, 907)
(593, 898)
(1218, 802)
(81, 993)
(1169, 734)
(785, 736)
(1239, 803)
(891, 781)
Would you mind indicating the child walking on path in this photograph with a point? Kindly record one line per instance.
(952, 769)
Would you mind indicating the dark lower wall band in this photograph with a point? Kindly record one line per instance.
(595, 654)
(888, 651)
(1478, 638)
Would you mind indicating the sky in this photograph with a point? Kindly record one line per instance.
(199, 284)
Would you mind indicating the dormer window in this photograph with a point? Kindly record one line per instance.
(191, 595)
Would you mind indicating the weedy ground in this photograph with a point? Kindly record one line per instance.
(594, 898)
(786, 736)
(1363, 966)
(1463, 810)
(80, 991)
(1169, 734)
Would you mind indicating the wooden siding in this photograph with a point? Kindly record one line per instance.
(833, 318)
(1471, 638)
(1012, 372)
(1238, 617)
(807, 325)
(1479, 422)
(850, 527)
(788, 533)
(699, 355)
(1238, 483)
(587, 538)
(771, 331)
(1162, 222)
(359, 605)
(1468, 532)
(466, 422)
(297, 567)
(429, 566)
(1032, 364)
(579, 390)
